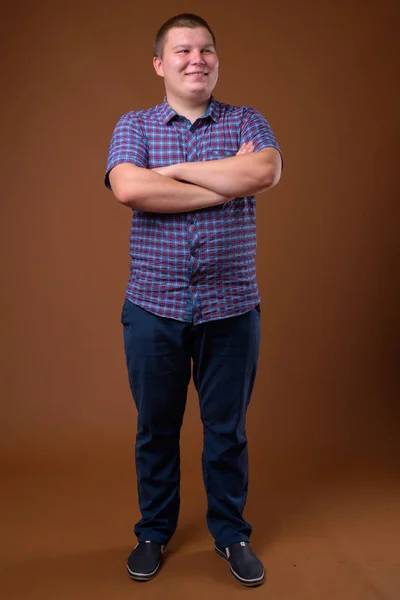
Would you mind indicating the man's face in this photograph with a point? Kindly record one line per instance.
(189, 65)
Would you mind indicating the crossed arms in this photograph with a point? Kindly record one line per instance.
(191, 186)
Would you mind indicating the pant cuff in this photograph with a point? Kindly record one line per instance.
(144, 537)
(233, 539)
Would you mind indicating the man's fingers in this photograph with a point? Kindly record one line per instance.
(245, 148)
(242, 149)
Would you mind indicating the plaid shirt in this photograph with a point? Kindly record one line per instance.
(200, 265)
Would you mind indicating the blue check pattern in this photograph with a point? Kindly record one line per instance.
(196, 266)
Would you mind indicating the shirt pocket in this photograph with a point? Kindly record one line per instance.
(163, 158)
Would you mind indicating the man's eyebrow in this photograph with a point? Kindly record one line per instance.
(209, 45)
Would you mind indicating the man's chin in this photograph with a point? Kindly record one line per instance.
(199, 90)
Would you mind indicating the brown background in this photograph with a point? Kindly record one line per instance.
(326, 403)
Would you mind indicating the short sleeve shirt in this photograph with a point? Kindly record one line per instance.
(200, 265)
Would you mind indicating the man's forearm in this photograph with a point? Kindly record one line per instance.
(236, 176)
(146, 190)
(183, 198)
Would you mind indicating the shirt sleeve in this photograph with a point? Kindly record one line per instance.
(128, 145)
(255, 128)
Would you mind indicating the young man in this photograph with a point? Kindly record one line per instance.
(189, 168)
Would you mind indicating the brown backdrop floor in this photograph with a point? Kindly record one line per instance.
(66, 535)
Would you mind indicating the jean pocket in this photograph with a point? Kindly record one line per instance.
(124, 313)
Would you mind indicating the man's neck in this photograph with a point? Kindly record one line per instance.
(188, 110)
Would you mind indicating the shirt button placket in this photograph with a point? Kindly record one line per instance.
(193, 230)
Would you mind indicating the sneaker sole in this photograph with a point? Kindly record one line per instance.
(245, 582)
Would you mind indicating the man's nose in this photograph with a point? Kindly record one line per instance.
(197, 57)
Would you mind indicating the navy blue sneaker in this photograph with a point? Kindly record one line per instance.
(145, 560)
(245, 566)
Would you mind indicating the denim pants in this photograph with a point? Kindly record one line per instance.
(159, 355)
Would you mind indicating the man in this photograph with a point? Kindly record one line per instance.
(189, 168)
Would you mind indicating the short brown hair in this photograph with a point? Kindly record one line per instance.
(182, 20)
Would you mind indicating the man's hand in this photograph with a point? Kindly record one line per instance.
(246, 148)
(170, 171)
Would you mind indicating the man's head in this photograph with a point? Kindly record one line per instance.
(186, 20)
(185, 56)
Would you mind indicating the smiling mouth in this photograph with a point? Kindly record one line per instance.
(198, 73)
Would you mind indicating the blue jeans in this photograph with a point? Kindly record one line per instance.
(159, 352)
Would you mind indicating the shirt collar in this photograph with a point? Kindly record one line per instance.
(168, 113)
(213, 109)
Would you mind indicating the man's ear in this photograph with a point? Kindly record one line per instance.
(158, 66)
